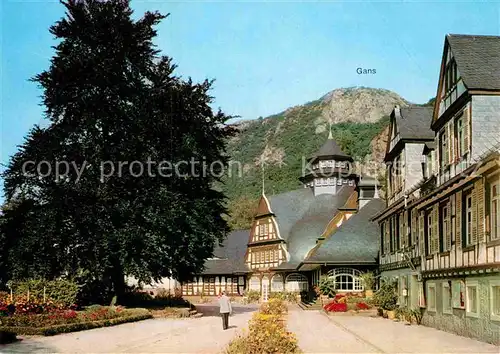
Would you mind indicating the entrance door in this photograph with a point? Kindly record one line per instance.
(265, 289)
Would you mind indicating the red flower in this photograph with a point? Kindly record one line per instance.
(336, 307)
(362, 306)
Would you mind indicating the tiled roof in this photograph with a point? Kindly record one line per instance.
(230, 257)
(330, 149)
(415, 123)
(478, 60)
(355, 241)
(303, 217)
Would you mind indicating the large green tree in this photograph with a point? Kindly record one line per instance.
(115, 108)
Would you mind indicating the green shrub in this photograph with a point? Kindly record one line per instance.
(327, 286)
(161, 300)
(386, 297)
(253, 296)
(367, 280)
(60, 292)
(356, 299)
(284, 295)
(416, 314)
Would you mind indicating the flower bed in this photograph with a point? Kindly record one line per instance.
(267, 332)
(70, 320)
(348, 304)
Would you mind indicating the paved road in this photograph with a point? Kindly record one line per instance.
(201, 335)
(318, 333)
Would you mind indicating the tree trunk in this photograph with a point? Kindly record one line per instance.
(118, 280)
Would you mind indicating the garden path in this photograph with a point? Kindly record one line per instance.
(320, 333)
(201, 335)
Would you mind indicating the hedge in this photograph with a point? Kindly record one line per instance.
(75, 327)
(61, 292)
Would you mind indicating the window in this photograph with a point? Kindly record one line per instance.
(428, 236)
(444, 226)
(494, 211)
(346, 279)
(451, 76)
(263, 230)
(458, 294)
(277, 283)
(382, 234)
(460, 136)
(296, 282)
(427, 161)
(468, 218)
(339, 181)
(495, 299)
(255, 283)
(471, 295)
(443, 150)
(447, 298)
(431, 297)
(337, 164)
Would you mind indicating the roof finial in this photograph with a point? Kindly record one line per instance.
(330, 136)
(263, 183)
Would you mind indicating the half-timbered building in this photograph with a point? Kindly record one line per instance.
(409, 133)
(453, 223)
(302, 234)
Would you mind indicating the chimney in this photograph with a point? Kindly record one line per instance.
(367, 190)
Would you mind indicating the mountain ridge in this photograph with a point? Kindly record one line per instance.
(357, 117)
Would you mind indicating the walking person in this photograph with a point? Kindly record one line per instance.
(225, 309)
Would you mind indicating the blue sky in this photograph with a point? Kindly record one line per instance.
(265, 57)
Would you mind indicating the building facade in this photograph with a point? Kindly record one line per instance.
(451, 217)
(298, 236)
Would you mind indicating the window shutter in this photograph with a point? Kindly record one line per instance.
(414, 227)
(421, 232)
(447, 245)
(451, 139)
(466, 132)
(435, 229)
(403, 234)
(458, 220)
(474, 216)
(387, 237)
(479, 188)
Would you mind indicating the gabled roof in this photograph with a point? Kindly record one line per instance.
(264, 207)
(230, 257)
(355, 241)
(414, 123)
(478, 60)
(303, 217)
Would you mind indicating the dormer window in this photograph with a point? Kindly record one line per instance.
(451, 76)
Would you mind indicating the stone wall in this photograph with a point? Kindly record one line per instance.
(485, 124)
(481, 328)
